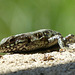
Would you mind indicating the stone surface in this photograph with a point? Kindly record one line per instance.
(52, 63)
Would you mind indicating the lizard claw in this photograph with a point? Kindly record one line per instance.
(63, 49)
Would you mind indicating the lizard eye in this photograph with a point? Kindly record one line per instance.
(12, 40)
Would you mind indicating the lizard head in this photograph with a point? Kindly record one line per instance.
(70, 39)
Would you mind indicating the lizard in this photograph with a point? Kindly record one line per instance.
(30, 41)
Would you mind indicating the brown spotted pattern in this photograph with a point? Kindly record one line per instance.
(29, 41)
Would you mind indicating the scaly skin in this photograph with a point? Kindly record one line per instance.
(43, 38)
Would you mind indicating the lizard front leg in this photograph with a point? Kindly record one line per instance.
(58, 39)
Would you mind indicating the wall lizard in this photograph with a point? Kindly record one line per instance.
(30, 41)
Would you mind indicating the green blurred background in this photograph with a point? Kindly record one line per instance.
(20, 16)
